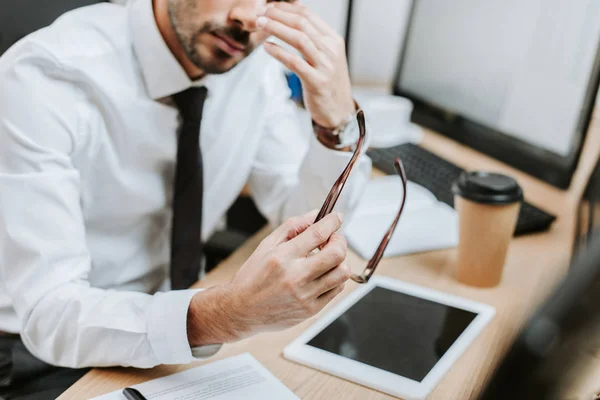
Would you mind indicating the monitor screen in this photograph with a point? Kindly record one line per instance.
(406, 335)
(520, 68)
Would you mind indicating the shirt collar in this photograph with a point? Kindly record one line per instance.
(162, 72)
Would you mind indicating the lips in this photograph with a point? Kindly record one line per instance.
(230, 42)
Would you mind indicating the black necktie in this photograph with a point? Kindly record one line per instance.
(186, 242)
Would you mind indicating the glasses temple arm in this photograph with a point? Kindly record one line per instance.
(374, 261)
(336, 190)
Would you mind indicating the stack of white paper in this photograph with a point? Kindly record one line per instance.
(426, 224)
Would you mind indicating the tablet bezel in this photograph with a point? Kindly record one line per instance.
(299, 351)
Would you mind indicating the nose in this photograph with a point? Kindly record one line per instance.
(245, 12)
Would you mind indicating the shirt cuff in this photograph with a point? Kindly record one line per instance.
(167, 328)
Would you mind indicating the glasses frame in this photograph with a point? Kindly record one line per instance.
(336, 191)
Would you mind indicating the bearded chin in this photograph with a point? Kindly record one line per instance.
(216, 61)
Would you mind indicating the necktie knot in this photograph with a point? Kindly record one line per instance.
(190, 103)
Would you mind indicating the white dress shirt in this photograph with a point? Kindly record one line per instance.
(87, 157)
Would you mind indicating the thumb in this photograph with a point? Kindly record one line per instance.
(293, 227)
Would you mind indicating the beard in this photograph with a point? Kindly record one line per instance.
(213, 60)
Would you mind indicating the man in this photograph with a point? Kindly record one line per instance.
(103, 190)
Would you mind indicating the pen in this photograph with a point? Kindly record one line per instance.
(133, 394)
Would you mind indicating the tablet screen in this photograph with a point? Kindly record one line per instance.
(396, 332)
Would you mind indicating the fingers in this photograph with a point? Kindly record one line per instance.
(325, 298)
(332, 255)
(330, 280)
(295, 30)
(313, 237)
(292, 227)
(305, 12)
(293, 62)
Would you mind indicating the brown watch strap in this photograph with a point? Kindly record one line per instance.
(330, 136)
(326, 135)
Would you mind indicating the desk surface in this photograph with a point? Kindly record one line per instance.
(535, 263)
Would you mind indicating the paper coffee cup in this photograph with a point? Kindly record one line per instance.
(488, 207)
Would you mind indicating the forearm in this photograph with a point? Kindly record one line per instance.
(212, 318)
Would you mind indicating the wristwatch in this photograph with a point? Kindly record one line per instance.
(343, 136)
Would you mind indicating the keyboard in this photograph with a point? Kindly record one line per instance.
(438, 175)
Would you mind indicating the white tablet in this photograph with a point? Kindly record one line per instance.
(392, 336)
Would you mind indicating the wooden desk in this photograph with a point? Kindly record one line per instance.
(535, 263)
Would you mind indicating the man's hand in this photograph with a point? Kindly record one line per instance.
(323, 70)
(279, 286)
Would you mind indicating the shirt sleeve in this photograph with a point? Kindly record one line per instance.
(293, 172)
(44, 260)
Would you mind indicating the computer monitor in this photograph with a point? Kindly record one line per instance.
(22, 17)
(556, 344)
(515, 80)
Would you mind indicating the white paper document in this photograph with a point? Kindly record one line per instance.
(239, 377)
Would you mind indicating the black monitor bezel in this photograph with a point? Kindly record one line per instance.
(540, 163)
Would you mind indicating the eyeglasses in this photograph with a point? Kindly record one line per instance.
(336, 191)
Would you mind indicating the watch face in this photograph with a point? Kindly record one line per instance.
(350, 134)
